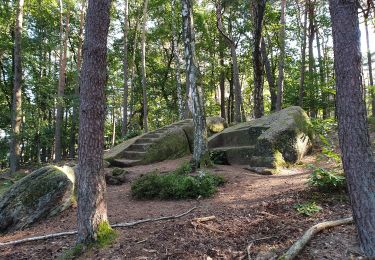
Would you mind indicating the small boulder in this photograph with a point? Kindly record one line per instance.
(116, 177)
(43, 193)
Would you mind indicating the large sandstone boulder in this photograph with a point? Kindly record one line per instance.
(43, 193)
(169, 142)
(284, 136)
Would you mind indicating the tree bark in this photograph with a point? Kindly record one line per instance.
(357, 156)
(269, 74)
(143, 67)
(280, 80)
(311, 16)
(73, 132)
(236, 75)
(222, 84)
(132, 69)
(16, 116)
(258, 14)
(321, 76)
(92, 209)
(61, 86)
(303, 59)
(124, 127)
(200, 152)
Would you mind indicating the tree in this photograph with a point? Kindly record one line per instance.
(236, 74)
(280, 80)
(195, 92)
(17, 91)
(62, 81)
(143, 67)
(303, 59)
(124, 127)
(258, 14)
(92, 209)
(357, 157)
(369, 61)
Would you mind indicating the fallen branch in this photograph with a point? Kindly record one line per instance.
(204, 219)
(300, 243)
(74, 232)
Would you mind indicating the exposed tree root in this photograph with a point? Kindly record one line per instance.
(300, 243)
(68, 233)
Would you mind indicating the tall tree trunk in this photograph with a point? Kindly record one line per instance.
(113, 127)
(124, 127)
(92, 209)
(280, 80)
(61, 87)
(321, 76)
(177, 61)
(269, 74)
(132, 69)
(258, 14)
(73, 132)
(236, 75)
(311, 14)
(357, 156)
(143, 67)
(369, 61)
(303, 59)
(200, 153)
(17, 92)
(222, 84)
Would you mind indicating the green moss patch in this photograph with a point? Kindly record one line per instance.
(105, 235)
(176, 185)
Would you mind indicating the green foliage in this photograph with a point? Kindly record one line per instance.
(308, 208)
(327, 180)
(176, 185)
(72, 253)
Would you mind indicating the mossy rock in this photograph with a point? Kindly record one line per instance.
(116, 177)
(271, 141)
(43, 193)
(215, 125)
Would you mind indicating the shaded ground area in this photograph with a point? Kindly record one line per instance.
(250, 208)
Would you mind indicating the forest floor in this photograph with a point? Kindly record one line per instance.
(249, 209)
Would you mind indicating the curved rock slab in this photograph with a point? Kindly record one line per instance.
(43, 193)
(270, 141)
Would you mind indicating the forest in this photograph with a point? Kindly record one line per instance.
(235, 129)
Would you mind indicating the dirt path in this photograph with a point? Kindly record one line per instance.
(248, 208)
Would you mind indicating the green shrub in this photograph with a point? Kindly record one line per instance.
(175, 185)
(308, 208)
(327, 180)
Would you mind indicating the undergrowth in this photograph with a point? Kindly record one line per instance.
(178, 184)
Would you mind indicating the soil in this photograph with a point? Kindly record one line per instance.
(250, 209)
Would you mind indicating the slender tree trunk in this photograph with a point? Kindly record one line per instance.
(311, 14)
(357, 156)
(17, 92)
(280, 80)
(258, 14)
(73, 132)
(222, 84)
(143, 67)
(303, 59)
(269, 74)
(132, 70)
(177, 61)
(236, 75)
(124, 127)
(369, 61)
(61, 87)
(200, 153)
(322, 77)
(113, 127)
(92, 209)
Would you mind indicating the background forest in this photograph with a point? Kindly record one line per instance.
(299, 62)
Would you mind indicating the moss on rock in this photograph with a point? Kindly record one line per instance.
(44, 192)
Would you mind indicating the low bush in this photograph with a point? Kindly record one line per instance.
(176, 185)
(308, 208)
(327, 180)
